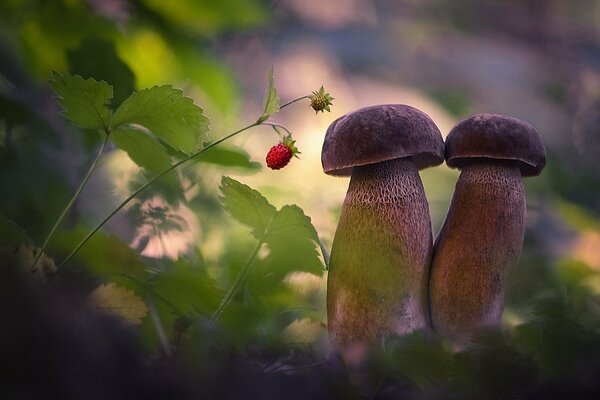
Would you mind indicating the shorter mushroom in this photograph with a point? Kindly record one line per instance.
(482, 236)
(381, 252)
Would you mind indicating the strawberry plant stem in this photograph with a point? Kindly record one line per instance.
(158, 327)
(293, 101)
(71, 202)
(277, 126)
(238, 282)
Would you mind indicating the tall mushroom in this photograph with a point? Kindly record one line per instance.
(382, 247)
(481, 239)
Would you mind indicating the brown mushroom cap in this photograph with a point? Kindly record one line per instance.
(381, 133)
(496, 137)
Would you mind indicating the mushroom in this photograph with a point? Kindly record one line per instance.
(381, 251)
(481, 239)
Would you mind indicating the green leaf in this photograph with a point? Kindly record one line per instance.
(186, 288)
(84, 101)
(293, 242)
(144, 150)
(291, 220)
(247, 205)
(289, 233)
(271, 102)
(167, 114)
(103, 255)
(229, 157)
(121, 301)
(98, 58)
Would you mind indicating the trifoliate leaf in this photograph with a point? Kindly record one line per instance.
(289, 233)
(120, 301)
(167, 114)
(143, 150)
(271, 102)
(247, 205)
(85, 101)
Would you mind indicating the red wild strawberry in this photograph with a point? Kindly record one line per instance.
(280, 155)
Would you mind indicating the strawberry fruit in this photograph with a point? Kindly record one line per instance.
(280, 155)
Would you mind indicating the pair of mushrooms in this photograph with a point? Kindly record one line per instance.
(386, 275)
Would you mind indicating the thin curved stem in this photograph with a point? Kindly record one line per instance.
(71, 202)
(238, 282)
(275, 126)
(293, 101)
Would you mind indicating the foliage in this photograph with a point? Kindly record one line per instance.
(220, 316)
(141, 124)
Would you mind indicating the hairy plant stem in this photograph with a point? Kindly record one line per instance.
(71, 202)
(293, 101)
(238, 282)
(161, 174)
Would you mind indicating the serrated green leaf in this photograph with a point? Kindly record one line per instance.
(291, 220)
(143, 150)
(271, 101)
(292, 253)
(119, 300)
(293, 242)
(168, 115)
(85, 101)
(247, 205)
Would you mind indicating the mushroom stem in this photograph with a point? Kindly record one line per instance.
(480, 242)
(380, 257)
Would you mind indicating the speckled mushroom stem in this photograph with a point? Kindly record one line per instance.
(380, 256)
(480, 242)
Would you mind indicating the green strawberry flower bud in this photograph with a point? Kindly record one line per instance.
(320, 101)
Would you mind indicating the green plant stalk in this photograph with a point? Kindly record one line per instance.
(152, 180)
(158, 327)
(277, 126)
(238, 282)
(293, 101)
(71, 202)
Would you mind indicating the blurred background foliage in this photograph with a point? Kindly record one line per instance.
(177, 250)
